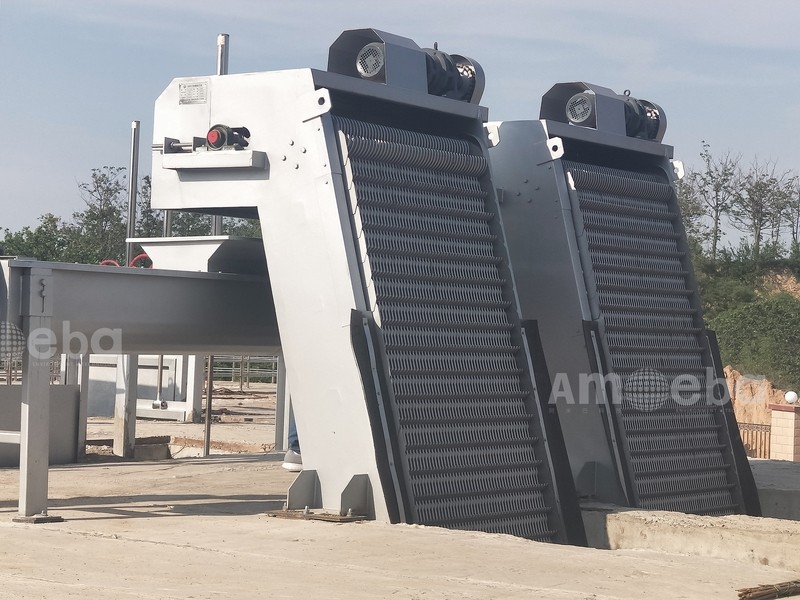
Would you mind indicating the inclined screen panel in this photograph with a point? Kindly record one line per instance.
(471, 454)
(676, 450)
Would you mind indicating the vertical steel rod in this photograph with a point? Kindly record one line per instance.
(209, 392)
(133, 183)
(159, 401)
(83, 405)
(222, 69)
(222, 53)
(167, 231)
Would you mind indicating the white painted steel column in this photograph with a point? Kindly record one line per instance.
(194, 387)
(223, 40)
(125, 405)
(34, 452)
(282, 407)
(83, 406)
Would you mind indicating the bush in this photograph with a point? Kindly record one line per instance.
(723, 293)
(763, 337)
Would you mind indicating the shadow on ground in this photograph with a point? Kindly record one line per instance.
(160, 505)
(167, 502)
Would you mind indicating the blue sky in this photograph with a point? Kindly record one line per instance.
(74, 73)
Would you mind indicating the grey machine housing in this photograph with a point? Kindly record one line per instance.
(410, 372)
(601, 262)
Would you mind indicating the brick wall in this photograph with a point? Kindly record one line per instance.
(785, 432)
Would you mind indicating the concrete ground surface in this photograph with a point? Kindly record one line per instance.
(200, 528)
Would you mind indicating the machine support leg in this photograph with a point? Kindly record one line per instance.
(83, 404)
(209, 394)
(34, 452)
(69, 369)
(194, 387)
(281, 408)
(125, 405)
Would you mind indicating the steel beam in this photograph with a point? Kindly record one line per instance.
(82, 309)
(9, 437)
(154, 311)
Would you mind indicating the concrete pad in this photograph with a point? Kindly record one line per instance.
(151, 452)
(778, 483)
(756, 540)
(197, 528)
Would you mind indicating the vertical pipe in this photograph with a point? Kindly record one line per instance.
(222, 53)
(167, 232)
(209, 391)
(133, 183)
(83, 404)
(222, 69)
(159, 403)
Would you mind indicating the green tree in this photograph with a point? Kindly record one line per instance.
(760, 203)
(793, 211)
(101, 226)
(49, 241)
(188, 224)
(762, 338)
(250, 228)
(716, 187)
(149, 222)
(693, 214)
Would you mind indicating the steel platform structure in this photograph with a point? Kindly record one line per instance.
(55, 306)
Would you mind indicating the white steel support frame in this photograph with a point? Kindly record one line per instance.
(283, 408)
(36, 312)
(52, 301)
(125, 405)
(83, 407)
(75, 371)
(193, 365)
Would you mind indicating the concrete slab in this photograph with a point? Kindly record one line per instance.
(197, 528)
(757, 540)
(778, 483)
